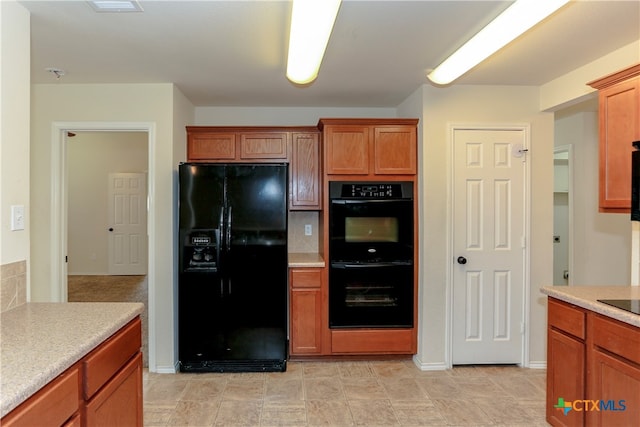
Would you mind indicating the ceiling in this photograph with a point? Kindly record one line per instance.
(233, 53)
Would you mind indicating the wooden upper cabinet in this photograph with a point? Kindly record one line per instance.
(211, 146)
(305, 171)
(347, 150)
(619, 126)
(237, 144)
(297, 145)
(267, 145)
(395, 150)
(370, 146)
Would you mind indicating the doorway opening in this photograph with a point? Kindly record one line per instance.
(107, 219)
(59, 215)
(562, 214)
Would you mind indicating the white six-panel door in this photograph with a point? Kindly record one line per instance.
(488, 245)
(128, 224)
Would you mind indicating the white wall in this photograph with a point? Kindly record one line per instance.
(477, 105)
(601, 241)
(168, 112)
(572, 88)
(283, 116)
(91, 157)
(14, 128)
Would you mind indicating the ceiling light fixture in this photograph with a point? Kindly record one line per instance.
(514, 21)
(115, 5)
(311, 25)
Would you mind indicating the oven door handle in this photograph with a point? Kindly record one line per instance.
(366, 201)
(371, 265)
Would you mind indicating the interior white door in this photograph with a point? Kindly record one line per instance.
(488, 245)
(128, 224)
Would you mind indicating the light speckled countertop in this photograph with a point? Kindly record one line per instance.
(39, 341)
(588, 296)
(303, 259)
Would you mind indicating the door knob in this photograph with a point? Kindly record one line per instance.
(462, 260)
(110, 228)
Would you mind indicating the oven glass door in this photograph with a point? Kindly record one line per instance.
(371, 230)
(371, 295)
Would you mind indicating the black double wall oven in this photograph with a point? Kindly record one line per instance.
(371, 247)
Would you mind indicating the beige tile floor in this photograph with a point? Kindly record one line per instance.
(371, 393)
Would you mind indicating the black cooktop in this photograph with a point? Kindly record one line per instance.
(632, 305)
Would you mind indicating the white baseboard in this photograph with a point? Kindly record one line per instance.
(429, 366)
(75, 273)
(166, 369)
(538, 365)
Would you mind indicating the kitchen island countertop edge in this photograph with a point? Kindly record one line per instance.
(39, 341)
(587, 297)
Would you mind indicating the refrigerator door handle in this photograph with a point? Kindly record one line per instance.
(228, 230)
(219, 236)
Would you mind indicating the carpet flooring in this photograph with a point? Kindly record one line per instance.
(113, 289)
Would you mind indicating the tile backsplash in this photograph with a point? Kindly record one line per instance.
(13, 285)
(298, 242)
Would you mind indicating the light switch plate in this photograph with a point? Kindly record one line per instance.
(17, 217)
(307, 230)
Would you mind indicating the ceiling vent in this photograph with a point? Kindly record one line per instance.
(115, 5)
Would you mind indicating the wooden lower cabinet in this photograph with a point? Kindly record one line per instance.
(565, 377)
(119, 402)
(613, 372)
(566, 359)
(593, 367)
(616, 384)
(55, 404)
(306, 311)
(102, 389)
(373, 341)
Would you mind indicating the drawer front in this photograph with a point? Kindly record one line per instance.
(306, 278)
(616, 337)
(103, 363)
(373, 341)
(54, 404)
(567, 318)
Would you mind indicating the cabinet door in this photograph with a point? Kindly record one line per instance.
(119, 402)
(616, 383)
(305, 172)
(211, 146)
(395, 150)
(267, 145)
(565, 377)
(306, 311)
(347, 150)
(619, 112)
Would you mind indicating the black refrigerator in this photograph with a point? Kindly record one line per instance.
(232, 280)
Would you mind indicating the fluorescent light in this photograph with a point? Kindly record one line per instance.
(311, 25)
(115, 5)
(518, 18)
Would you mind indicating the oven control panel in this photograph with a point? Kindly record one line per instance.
(369, 190)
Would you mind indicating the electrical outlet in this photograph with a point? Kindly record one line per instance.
(307, 230)
(17, 217)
